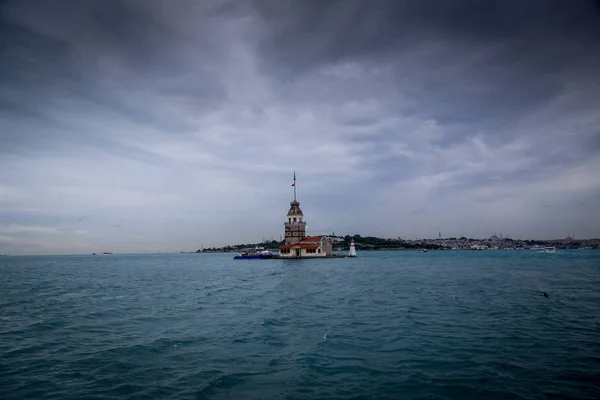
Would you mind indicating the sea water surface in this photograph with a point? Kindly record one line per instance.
(386, 325)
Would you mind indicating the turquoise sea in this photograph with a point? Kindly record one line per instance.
(387, 325)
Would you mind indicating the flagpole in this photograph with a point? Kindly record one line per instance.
(294, 185)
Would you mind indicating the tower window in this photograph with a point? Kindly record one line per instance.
(290, 220)
(294, 219)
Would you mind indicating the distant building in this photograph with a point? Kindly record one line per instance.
(568, 240)
(297, 244)
(495, 240)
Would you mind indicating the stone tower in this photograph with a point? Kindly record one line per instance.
(295, 227)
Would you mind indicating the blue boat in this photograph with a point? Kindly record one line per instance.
(246, 256)
(259, 253)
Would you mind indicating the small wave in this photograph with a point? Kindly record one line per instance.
(222, 384)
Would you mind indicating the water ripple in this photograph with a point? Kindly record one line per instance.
(451, 325)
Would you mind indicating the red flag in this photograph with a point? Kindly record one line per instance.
(294, 184)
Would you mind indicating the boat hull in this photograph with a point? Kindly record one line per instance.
(253, 257)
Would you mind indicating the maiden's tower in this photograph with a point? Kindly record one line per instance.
(297, 244)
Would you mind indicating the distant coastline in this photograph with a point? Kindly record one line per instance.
(372, 243)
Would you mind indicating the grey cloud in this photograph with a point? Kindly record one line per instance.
(461, 61)
(117, 56)
(311, 32)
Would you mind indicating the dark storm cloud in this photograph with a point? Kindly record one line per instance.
(97, 55)
(302, 34)
(129, 31)
(466, 60)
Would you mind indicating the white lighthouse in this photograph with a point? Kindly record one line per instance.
(352, 252)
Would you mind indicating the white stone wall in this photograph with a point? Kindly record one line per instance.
(303, 253)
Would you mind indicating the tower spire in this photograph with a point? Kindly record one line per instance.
(294, 185)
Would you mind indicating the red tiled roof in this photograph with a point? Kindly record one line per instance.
(309, 242)
(312, 239)
(299, 246)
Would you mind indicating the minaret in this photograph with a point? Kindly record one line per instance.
(295, 227)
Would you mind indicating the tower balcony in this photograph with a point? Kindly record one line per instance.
(295, 223)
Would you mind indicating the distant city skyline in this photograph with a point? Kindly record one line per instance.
(136, 127)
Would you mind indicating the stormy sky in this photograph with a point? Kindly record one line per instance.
(140, 126)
